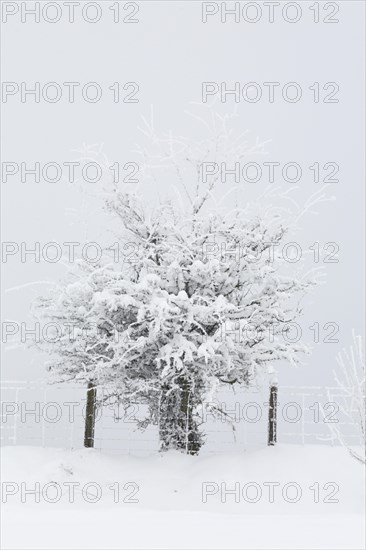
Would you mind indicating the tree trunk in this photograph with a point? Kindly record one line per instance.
(91, 397)
(178, 429)
(192, 437)
(272, 415)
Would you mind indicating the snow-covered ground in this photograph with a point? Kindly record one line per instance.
(178, 501)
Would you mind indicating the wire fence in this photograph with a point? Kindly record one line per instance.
(33, 413)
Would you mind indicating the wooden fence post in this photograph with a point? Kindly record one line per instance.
(91, 398)
(272, 415)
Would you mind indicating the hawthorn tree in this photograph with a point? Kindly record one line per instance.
(202, 302)
(209, 309)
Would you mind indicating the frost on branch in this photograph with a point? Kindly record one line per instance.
(350, 380)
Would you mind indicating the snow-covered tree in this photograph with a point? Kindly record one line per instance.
(202, 302)
(350, 379)
(209, 309)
